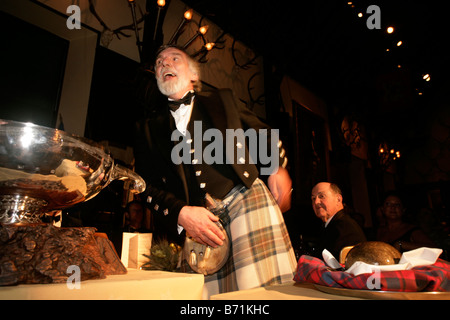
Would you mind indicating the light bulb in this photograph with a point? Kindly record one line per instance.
(188, 14)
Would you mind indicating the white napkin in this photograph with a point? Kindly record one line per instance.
(410, 259)
(330, 260)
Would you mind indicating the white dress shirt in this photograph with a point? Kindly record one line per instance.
(182, 116)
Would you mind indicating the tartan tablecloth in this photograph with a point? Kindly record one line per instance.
(435, 277)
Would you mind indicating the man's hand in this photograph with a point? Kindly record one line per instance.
(199, 225)
(280, 184)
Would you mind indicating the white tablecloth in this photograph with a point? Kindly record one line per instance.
(287, 291)
(136, 284)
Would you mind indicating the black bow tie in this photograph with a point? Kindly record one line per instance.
(186, 100)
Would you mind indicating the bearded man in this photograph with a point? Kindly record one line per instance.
(261, 252)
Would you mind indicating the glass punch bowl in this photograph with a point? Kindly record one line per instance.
(44, 169)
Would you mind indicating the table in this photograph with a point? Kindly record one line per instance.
(287, 291)
(136, 284)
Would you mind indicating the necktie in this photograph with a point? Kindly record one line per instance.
(186, 100)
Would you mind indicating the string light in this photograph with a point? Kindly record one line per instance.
(387, 157)
(188, 14)
(201, 31)
(161, 4)
(209, 46)
(390, 30)
(204, 50)
(186, 19)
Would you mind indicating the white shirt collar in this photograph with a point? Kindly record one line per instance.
(328, 221)
(182, 115)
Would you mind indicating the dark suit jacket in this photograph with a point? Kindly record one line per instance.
(167, 188)
(342, 231)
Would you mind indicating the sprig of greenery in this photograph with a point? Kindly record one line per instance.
(164, 256)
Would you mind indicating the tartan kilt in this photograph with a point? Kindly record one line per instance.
(261, 253)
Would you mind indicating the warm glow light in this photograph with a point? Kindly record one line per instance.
(360, 15)
(390, 30)
(349, 3)
(28, 135)
(399, 43)
(209, 45)
(188, 14)
(426, 77)
(161, 3)
(203, 29)
(387, 155)
(200, 31)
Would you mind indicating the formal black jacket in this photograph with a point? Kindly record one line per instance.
(168, 185)
(342, 231)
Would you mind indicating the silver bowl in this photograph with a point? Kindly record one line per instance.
(44, 169)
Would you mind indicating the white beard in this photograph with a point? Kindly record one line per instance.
(172, 87)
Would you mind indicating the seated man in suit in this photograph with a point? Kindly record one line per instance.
(340, 230)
